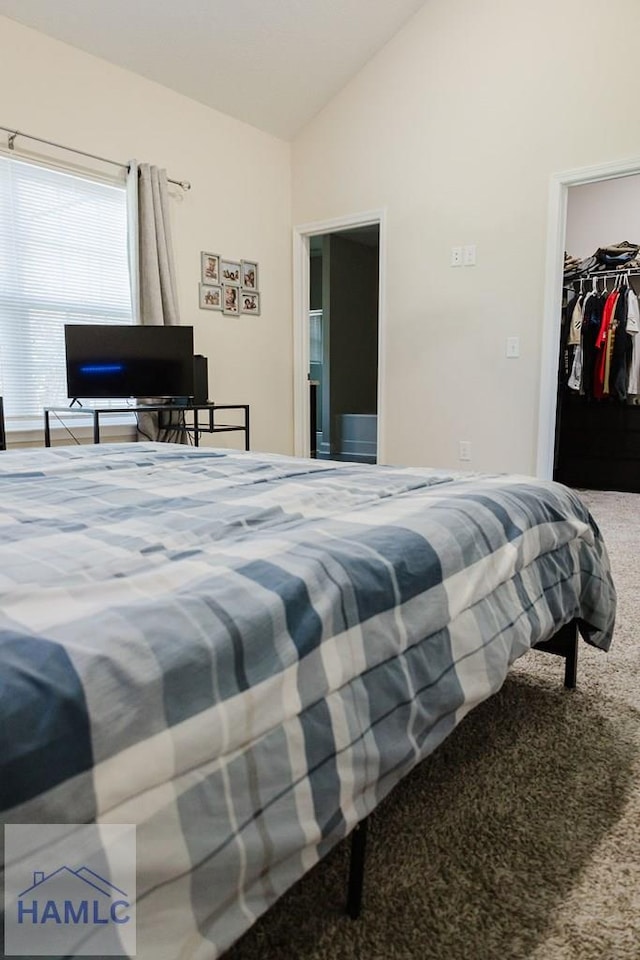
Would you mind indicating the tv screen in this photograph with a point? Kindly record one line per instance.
(109, 361)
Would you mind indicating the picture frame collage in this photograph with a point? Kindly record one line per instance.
(229, 286)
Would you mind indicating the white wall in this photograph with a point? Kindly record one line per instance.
(239, 205)
(600, 213)
(455, 127)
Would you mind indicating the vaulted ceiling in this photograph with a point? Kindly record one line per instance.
(271, 63)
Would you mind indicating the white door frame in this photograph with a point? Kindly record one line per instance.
(556, 235)
(301, 236)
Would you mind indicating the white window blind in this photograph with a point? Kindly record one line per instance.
(315, 336)
(63, 259)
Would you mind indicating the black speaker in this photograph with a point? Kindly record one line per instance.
(200, 379)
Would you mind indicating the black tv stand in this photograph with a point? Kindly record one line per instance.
(194, 426)
(74, 401)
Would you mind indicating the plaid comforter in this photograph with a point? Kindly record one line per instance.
(242, 654)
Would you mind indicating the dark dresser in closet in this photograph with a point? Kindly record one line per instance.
(597, 444)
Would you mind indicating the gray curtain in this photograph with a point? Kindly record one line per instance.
(158, 297)
(153, 281)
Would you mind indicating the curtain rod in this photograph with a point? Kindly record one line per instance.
(184, 184)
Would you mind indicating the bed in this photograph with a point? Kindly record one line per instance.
(242, 654)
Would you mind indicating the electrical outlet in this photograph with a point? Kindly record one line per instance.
(456, 256)
(465, 450)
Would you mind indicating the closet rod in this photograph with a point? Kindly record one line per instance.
(604, 274)
(184, 184)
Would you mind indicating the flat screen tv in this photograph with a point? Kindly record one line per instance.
(111, 361)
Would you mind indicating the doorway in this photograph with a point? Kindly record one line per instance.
(559, 186)
(343, 344)
(338, 338)
(598, 420)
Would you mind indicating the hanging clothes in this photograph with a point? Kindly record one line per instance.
(567, 347)
(575, 325)
(616, 376)
(597, 442)
(633, 312)
(575, 378)
(603, 345)
(575, 339)
(600, 343)
(591, 322)
(633, 356)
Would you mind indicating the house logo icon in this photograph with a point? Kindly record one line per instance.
(70, 890)
(72, 897)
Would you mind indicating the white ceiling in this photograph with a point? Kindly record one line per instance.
(271, 63)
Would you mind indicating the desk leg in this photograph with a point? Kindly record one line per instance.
(246, 428)
(96, 427)
(47, 429)
(196, 432)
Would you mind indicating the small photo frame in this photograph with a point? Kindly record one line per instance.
(250, 302)
(209, 267)
(230, 272)
(230, 300)
(210, 296)
(249, 275)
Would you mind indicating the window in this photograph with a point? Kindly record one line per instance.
(315, 336)
(63, 259)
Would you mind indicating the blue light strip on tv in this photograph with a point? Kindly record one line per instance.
(103, 368)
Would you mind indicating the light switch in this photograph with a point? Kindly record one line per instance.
(513, 347)
(464, 452)
(469, 255)
(456, 256)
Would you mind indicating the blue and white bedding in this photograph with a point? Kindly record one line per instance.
(242, 654)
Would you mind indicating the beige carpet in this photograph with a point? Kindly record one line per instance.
(520, 837)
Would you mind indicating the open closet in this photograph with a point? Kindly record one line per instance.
(598, 413)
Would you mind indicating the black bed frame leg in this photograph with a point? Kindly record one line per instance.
(571, 661)
(356, 869)
(564, 643)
